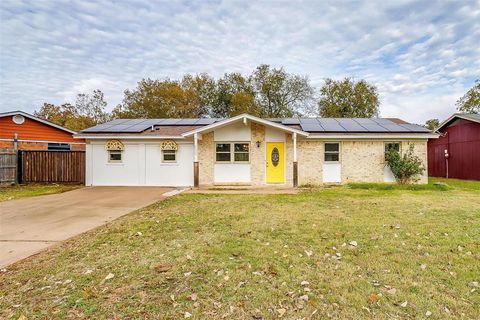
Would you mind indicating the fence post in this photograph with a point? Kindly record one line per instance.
(19, 177)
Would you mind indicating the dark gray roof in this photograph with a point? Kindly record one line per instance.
(312, 125)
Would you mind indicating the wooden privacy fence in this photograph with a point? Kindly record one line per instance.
(8, 166)
(51, 166)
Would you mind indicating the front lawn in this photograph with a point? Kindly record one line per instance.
(341, 252)
(32, 190)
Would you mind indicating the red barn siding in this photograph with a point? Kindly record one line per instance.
(462, 140)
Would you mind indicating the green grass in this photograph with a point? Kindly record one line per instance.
(246, 256)
(32, 190)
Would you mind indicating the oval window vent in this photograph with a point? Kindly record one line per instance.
(275, 157)
(18, 119)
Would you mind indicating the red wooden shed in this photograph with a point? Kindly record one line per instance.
(456, 153)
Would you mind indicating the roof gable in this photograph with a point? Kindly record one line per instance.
(27, 115)
(465, 116)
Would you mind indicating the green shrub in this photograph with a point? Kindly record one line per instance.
(406, 168)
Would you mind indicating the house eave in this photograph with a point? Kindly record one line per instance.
(383, 136)
(125, 137)
(245, 117)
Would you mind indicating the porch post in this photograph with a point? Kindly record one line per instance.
(295, 166)
(195, 160)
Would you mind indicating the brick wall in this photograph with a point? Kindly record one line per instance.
(36, 146)
(310, 161)
(257, 155)
(361, 161)
(206, 160)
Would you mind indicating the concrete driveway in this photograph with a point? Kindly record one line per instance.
(30, 225)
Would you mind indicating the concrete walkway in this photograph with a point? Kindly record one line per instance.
(30, 225)
(244, 190)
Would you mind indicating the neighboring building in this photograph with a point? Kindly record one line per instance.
(246, 150)
(22, 131)
(456, 153)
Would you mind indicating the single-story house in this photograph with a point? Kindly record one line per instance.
(247, 150)
(456, 153)
(22, 131)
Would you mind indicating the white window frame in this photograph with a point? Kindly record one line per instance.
(109, 152)
(232, 151)
(325, 152)
(391, 142)
(174, 152)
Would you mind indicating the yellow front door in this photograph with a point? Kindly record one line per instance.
(275, 162)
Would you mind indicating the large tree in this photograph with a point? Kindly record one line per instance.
(266, 92)
(470, 102)
(280, 94)
(348, 99)
(189, 98)
(88, 111)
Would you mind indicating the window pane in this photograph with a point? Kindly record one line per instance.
(223, 156)
(223, 147)
(241, 156)
(169, 157)
(115, 156)
(332, 147)
(331, 156)
(241, 147)
(58, 146)
(392, 146)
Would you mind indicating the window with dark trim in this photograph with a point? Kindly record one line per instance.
(115, 156)
(332, 152)
(232, 152)
(392, 146)
(169, 155)
(59, 146)
(241, 152)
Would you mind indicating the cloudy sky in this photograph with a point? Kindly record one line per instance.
(422, 55)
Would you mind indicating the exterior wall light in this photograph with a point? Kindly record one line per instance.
(258, 144)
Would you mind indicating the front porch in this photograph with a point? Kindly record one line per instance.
(246, 152)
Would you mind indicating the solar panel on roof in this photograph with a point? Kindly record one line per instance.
(311, 127)
(186, 122)
(382, 121)
(117, 121)
(351, 125)
(331, 126)
(414, 127)
(395, 128)
(207, 121)
(136, 128)
(374, 127)
(290, 121)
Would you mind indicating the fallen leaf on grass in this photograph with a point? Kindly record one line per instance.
(373, 297)
(281, 312)
(162, 268)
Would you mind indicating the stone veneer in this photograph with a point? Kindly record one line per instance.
(206, 160)
(310, 161)
(257, 155)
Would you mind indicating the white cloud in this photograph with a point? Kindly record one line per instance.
(422, 55)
